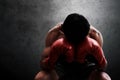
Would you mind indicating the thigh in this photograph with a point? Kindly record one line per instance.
(99, 75)
(42, 75)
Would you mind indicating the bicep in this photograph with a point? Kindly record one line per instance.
(45, 53)
(100, 57)
(52, 56)
(44, 58)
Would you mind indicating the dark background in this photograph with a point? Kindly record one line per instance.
(24, 24)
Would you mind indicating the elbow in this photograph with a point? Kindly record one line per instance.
(103, 65)
(46, 66)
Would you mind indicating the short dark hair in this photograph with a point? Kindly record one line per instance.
(75, 27)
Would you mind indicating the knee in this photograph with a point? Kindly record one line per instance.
(105, 76)
(96, 75)
(40, 75)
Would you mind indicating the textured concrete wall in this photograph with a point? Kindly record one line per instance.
(24, 24)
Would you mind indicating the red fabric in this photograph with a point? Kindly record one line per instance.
(88, 46)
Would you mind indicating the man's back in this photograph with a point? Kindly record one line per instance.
(79, 53)
(71, 60)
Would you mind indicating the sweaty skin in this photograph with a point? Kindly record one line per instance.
(62, 47)
(54, 34)
(87, 47)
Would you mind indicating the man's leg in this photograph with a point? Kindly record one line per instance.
(99, 75)
(42, 75)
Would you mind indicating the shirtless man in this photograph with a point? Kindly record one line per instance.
(56, 33)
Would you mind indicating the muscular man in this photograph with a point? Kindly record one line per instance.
(56, 33)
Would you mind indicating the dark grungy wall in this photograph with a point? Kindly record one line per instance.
(24, 24)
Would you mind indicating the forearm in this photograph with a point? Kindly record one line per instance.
(102, 64)
(44, 64)
(100, 57)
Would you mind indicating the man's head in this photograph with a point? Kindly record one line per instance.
(75, 27)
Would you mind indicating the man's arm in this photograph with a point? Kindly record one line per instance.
(56, 33)
(50, 55)
(53, 34)
(97, 52)
(96, 35)
(44, 58)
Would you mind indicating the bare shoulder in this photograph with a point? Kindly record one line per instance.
(93, 29)
(56, 27)
(96, 35)
(93, 42)
(59, 42)
(53, 34)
